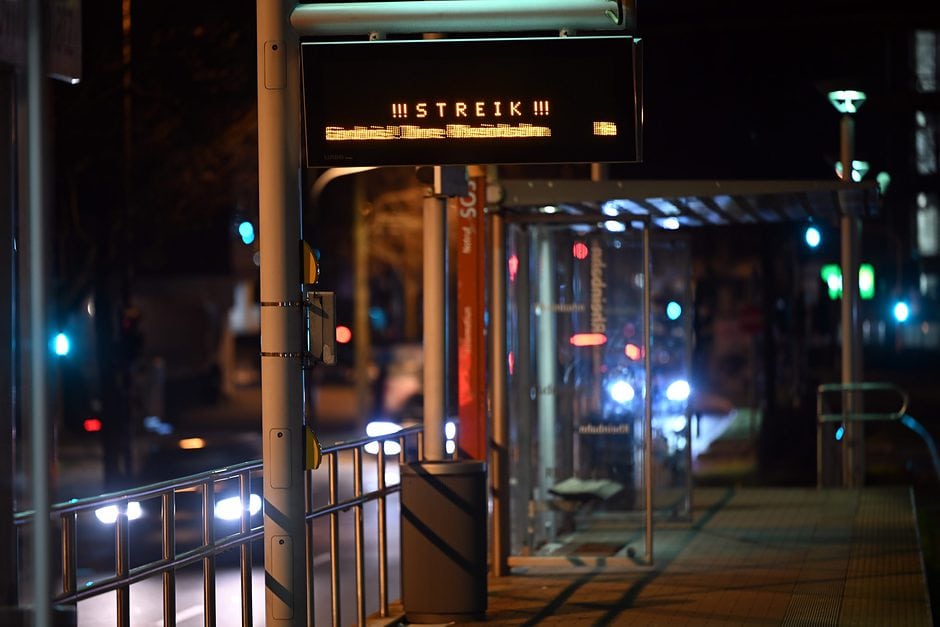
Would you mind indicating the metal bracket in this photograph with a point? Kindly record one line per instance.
(320, 321)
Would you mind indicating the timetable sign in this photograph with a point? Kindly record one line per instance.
(472, 101)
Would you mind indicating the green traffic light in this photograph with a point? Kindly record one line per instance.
(831, 274)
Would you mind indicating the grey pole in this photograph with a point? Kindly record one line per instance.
(464, 16)
(435, 338)
(281, 326)
(39, 424)
(853, 455)
(500, 397)
(546, 355)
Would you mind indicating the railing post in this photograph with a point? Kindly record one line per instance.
(334, 540)
(169, 554)
(68, 552)
(360, 561)
(208, 562)
(383, 530)
(244, 489)
(122, 565)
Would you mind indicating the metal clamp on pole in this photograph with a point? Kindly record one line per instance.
(464, 16)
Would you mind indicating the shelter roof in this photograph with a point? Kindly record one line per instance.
(686, 203)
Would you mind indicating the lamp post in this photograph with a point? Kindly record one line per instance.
(848, 102)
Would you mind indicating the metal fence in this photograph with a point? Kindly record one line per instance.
(226, 491)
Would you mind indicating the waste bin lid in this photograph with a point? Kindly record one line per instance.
(445, 467)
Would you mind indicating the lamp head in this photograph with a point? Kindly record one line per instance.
(847, 100)
(859, 170)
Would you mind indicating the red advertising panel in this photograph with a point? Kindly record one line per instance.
(471, 382)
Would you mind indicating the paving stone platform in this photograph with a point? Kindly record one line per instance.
(761, 556)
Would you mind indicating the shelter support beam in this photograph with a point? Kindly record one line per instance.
(546, 354)
(464, 16)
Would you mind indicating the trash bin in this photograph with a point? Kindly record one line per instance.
(443, 541)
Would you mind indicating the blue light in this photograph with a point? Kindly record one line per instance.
(901, 311)
(812, 236)
(378, 317)
(61, 345)
(621, 391)
(840, 432)
(247, 232)
(678, 391)
(673, 310)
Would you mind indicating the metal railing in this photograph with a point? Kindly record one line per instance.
(826, 416)
(120, 508)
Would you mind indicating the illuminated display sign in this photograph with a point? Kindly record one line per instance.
(465, 101)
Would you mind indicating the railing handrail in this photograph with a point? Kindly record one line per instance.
(859, 416)
(146, 491)
(197, 479)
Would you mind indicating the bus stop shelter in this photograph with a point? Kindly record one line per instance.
(576, 266)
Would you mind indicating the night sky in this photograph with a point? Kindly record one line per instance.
(732, 90)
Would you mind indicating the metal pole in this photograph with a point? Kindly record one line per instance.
(281, 320)
(523, 405)
(435, 338)
(362, 336)
(853, 460)
(464, 16)
(500, 396)
(546, 379)
(39, 425)
(9, 581)
(648, 396)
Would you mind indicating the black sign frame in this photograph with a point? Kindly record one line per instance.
(469, 101)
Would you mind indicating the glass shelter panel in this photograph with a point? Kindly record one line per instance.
(578, 381)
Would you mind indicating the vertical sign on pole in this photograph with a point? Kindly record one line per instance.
(471, 383)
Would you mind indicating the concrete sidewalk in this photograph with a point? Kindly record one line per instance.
(750, 556)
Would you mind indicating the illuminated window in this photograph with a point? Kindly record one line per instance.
(928, 225)
(925, 142)
(926, 52)
(928, 285)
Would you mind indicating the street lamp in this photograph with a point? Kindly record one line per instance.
(812, 236)
(847, 102)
